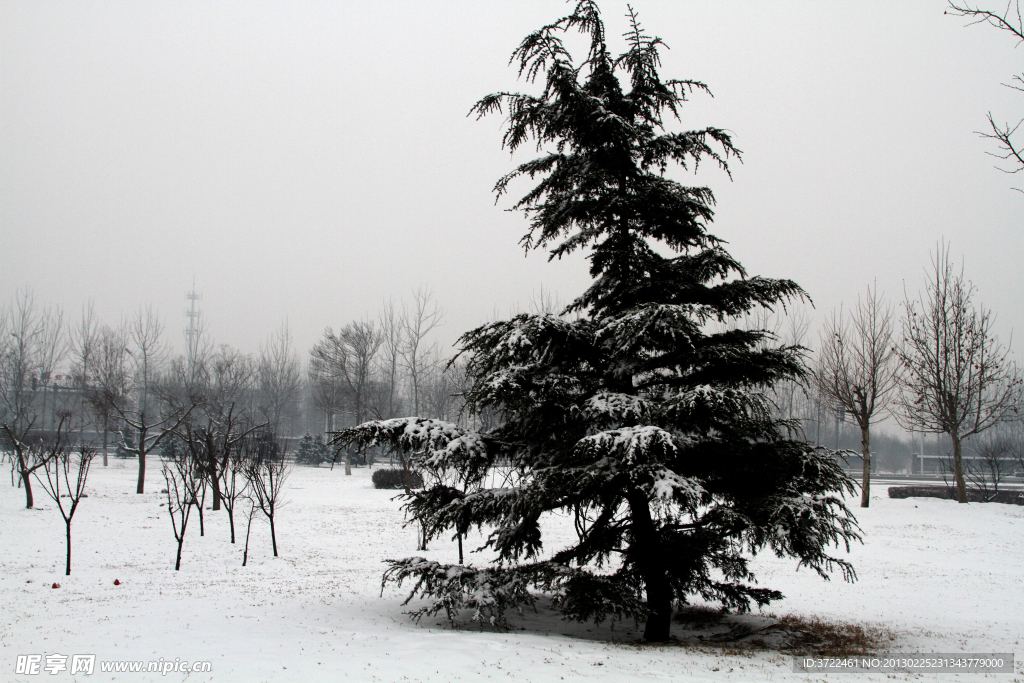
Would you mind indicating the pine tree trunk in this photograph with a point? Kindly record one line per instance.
(958, 467)
(865, 445)
(645, 548)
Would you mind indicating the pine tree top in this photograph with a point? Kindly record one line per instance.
(601, 126)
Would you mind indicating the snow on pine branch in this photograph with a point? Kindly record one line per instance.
(433, 443)
(492, 591)
(630, 445)
(639, 454)
(612, 407)
(489, 592)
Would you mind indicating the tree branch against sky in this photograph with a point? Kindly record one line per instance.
(1009, 21)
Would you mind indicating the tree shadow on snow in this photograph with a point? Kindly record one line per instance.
(708, 627)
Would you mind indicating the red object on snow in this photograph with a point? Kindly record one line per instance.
(116, 582)
(56, 585)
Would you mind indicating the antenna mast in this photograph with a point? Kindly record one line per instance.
(192, 331)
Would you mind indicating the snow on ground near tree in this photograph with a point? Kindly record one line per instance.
(945, 577)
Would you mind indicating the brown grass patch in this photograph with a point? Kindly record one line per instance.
(815, 636)
(789, 634)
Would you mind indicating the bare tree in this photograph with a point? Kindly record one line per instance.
(417, 322)
(234, 486)
(443, 391)
(111, 379)
(266, 471)
(248, 529)
(1009, 20)
(278, 377)
(147, 352)
(85, 338)
(327, 394)
(958, 379)
(65, 490)
(392, 342)
(214, 445)
(993, 462)
(858, 369)
(52, 350)
(30, 348)
(182, 477)
(346, 360)
(546, 302)
(30, 452)
(222, 379)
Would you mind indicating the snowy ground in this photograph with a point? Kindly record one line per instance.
(943, 577)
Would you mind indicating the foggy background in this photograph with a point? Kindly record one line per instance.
(308, 160)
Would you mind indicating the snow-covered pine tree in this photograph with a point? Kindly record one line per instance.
(307, 452)
(651, 429)
(312, 450)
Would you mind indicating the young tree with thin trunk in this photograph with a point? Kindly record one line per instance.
(66, 490)
(31, 452)
(957, 378)
(181, 475)
(248, 529)
(266, 472)
(234, 485)
(858, 368)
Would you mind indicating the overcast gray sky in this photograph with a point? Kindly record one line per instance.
(307, 160)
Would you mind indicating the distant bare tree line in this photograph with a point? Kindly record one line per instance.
(121, 381)
(122, 385)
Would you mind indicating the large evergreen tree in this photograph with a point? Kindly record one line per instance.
(644, 416)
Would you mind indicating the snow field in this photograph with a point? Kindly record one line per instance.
(944, 577)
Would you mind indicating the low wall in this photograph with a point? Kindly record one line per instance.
(949, 493)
